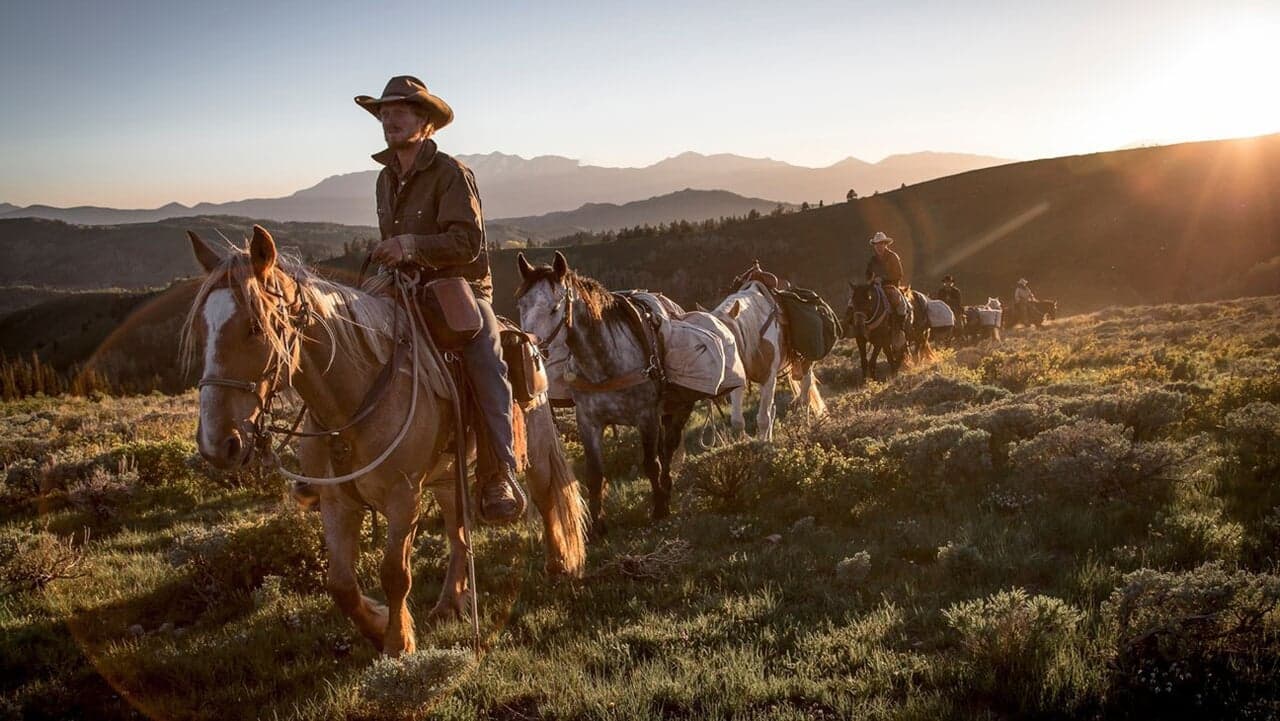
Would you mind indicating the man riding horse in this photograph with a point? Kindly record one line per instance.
(884, 268)
(430, 220)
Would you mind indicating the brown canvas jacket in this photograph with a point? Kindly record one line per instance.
(889, 270)
(437, 204)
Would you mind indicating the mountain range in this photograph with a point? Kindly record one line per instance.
(516, 187)
(1181, 223)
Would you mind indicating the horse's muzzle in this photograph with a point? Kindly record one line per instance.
(232, 451)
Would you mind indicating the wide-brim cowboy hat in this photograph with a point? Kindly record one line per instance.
(881, 238)
(408, 89)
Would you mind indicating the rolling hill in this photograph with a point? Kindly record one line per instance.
(138, 255)
(1145, 226)
(512, 186)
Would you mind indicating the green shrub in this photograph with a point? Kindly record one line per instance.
(1090, 459)
(926, 459)
(826, 482)
(30, 560)
(101, 494)
(1015, 648)
(160, 463)
(729, 475)
(1189, 538)
(1009, 422)
(22, 480)
(1147, 412)
(936, 389)
(1200, 644)
(1236, 392)
(397, 688)
(1019, 370)
(236, 557)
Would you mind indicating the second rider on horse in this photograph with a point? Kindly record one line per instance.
(884, 268)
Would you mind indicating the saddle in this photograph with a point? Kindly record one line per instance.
(810, 326)
(453, 319)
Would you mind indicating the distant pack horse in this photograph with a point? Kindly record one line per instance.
(754, 317)
(615, 373)
(267, 324)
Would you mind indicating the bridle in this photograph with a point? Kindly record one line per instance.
(566, 320)
(297, 315)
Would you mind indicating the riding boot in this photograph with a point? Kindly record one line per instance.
(501, 498)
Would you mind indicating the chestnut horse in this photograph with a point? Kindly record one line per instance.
(267, 324)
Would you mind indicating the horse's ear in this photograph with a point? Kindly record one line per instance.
(208, 257)
(523, 264)
(735, 309)
(700, 308)
(560, 265)
(262, 251)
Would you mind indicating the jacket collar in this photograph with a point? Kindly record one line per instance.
(426, 154)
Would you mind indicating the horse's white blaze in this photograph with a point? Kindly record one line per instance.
(219, 308)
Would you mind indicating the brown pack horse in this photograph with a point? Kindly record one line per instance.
(267, 323)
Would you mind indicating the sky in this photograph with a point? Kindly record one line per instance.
(137, 104)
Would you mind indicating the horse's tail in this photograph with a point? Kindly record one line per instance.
(806, 391)
(556, 494)
(809, 391)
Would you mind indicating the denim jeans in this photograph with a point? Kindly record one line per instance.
(487, 371)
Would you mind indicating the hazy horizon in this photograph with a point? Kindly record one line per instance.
(145, 104)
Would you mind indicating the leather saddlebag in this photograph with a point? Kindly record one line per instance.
(450, 310)
(525, 369)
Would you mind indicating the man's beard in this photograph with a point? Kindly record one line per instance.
(409, 141)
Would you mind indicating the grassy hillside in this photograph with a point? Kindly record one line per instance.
(1080, 522)
(140, 255)
(1151, 225)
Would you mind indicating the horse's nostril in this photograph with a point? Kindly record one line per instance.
(234, 447)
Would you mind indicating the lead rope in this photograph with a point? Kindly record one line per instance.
(404, 430)
(460, 479)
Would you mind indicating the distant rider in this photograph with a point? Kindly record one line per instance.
(885, 269)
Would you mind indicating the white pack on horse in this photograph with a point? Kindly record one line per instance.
(609, 353)
(378, 426)
(754, 315)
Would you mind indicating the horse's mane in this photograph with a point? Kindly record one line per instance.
(359, 323)
(594, 296)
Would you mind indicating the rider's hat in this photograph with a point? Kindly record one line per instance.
(408, 89)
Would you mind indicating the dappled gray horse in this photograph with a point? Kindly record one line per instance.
(612, 369)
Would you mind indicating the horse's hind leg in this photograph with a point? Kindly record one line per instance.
(651, 445)
(672, 439)
(764, 416)
(593, 455)
(737, 420)
(342, 538)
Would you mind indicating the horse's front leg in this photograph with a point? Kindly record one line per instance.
(342, 520)
(395, 573)
(862, 359)
(873, 360)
